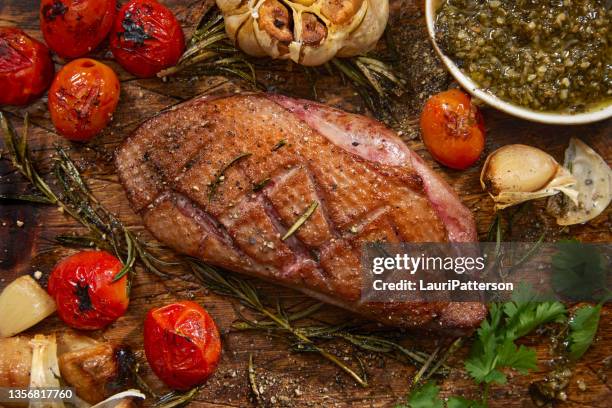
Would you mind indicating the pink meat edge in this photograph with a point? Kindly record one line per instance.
(373, 141)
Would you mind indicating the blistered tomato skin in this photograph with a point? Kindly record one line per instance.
(83, 98)
(74, 28)
(453, 129)
(146, 38)
(26, 69)
(182, 344)
(83, 288)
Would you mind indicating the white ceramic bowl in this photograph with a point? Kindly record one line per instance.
(594, 115)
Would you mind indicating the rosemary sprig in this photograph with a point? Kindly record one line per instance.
(220, 176)
(210, 52)
(300, 221)
(253, 382)
(425, 366)
(77, 200)
(373, 80)
(246, 294)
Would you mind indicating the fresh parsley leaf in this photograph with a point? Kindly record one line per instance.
(522, 359)
(425, 397)
(578, 270)
(523, 318)
(583, 327)
(494, 346)
(482, 362)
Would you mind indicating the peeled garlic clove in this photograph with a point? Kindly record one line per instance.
(594, 186)
(517, 173)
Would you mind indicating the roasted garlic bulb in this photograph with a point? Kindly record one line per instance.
(517, 173)
(309, 32)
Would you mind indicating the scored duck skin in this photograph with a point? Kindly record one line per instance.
(223, 179)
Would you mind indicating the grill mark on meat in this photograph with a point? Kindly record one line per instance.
(361, 224)
(191, 210)
(302, 254)
(323, 204)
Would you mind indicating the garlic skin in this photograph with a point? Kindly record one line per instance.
(594, 186)
(517, 173)
(309, 32)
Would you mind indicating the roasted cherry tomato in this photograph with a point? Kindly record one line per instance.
(73, 28)
(182, 344)
(453, 129)
(146, 38)
(82, 99)
(85, 291)
(26, 69)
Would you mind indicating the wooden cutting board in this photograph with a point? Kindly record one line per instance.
(287, 379)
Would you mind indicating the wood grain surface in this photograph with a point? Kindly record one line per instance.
(288, 379)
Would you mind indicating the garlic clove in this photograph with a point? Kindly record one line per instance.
(271, 29)
(340, 11)
(517, 173)
(518, 168)
(313, 31)
(594, 186)
(275, 20)
(364, 37)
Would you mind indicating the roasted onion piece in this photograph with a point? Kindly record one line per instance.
(309, 32)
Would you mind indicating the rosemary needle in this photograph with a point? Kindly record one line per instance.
(221, 174)
(260, 186)
(311, 209)
(280, 144)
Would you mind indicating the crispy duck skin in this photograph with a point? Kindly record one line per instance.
(222, 179)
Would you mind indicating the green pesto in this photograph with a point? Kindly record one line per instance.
(546, 55)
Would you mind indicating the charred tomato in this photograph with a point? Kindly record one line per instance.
(146, 38)
(83, 98)
(453, 129)
(26, 69)
(86, 291)
(182, 344)
(73, 28)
